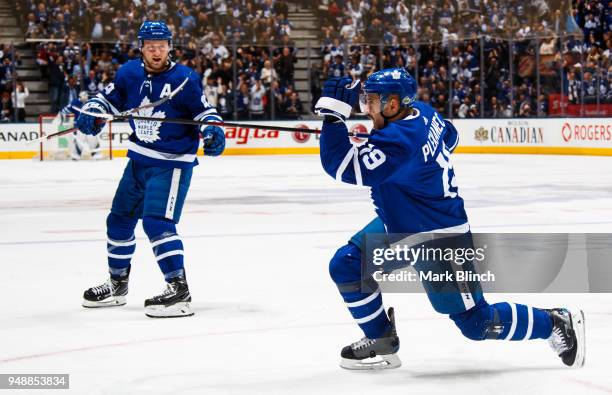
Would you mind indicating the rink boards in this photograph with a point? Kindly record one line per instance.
(557, 136)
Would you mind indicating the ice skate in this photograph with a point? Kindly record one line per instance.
(373, 354)
(109, 294)
(173, 302)
(568, 336)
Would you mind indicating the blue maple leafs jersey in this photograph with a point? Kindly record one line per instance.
(153, 142)
(407, 165)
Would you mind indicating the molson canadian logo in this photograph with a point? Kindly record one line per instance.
(481, 134)
(514, 132)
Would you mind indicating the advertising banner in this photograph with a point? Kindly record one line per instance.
(560, 136)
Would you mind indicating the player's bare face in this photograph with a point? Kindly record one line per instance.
(155, 55)
(372, 110)
(392, 110)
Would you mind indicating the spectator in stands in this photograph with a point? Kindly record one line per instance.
(268, 74)
(203, 29)
(573, 91)
(6, 106)
(57, 79)
(286, 67)
(292, 107)
(97, 31)
(225, 100)
(91, 83)
(243, 101)
(257, 100)
(337, 68)
(19, 97)
(315, 85)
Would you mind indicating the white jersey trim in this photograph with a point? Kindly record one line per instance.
(356, 167)
(160, 155)
(418, 238)
(345, 162)
(454, 145)
(172, 195)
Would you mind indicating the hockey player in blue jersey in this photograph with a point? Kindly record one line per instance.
(80, 145)
(157, 177)
(406, 163)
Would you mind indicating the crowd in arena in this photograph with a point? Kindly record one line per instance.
(260, 84)
(472, 58)
(477, 58)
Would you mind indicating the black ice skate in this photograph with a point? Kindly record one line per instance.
(373, 354)
(174, 302)
(568, 336)
(110, 294)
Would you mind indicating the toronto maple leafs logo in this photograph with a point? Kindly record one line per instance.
(148, 131)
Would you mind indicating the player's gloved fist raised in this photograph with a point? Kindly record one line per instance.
(89, 124)
(340, 94)
(214, 140)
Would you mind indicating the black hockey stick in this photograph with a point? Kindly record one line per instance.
(56, 134)
(122, 114)
(127, 117)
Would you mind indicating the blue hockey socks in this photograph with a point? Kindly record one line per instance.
(503, 321)
(166, 244)
(120, 244)
(523, 322)
(366, 308)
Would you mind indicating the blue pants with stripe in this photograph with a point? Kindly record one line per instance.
(156, 195)
(463, 302)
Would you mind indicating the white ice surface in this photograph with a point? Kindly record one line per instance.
(258, 234)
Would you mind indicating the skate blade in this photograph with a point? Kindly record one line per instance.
(181, 309)
(380, 362)
(108, 302)
(579, 329)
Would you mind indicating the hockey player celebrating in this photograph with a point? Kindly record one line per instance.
(406, 163)
(80, 145)
(156, 179)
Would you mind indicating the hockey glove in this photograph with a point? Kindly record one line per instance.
(214, 140)
(338, 99)
(89, 124)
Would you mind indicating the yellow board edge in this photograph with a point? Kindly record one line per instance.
(315, 150)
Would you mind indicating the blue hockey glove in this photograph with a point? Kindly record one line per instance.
(339, 97)
(89, 124)
(214, 140)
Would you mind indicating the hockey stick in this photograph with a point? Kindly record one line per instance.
(50, 136)
(110, 117)
(212, 123)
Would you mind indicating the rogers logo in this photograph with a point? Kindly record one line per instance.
(301, 137)
(358, 129)
(586, 132)
(566, 132)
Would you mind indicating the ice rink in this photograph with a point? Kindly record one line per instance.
(258, 235)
